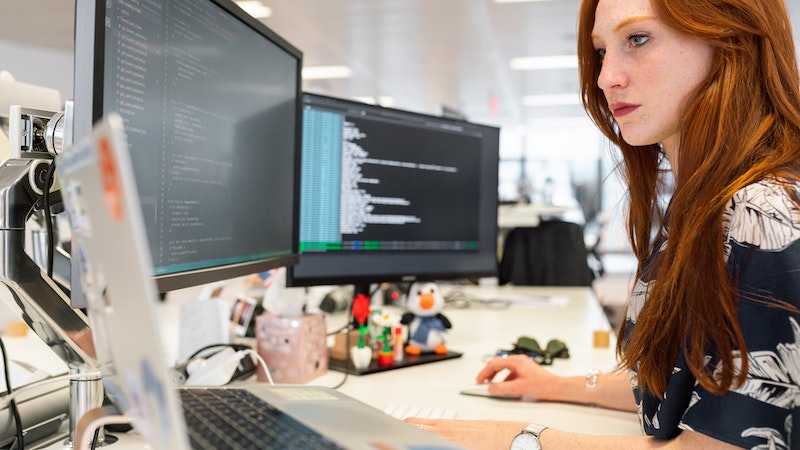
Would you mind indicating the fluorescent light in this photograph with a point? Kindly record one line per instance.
(551, 100)
(570, 122)
(545, 62)
(326, 72)
(255, 8)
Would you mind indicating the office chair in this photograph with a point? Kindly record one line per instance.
(550, 254)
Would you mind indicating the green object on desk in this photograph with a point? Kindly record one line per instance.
(528, 344)
(557, 348)
(362, 330)
(525, 345)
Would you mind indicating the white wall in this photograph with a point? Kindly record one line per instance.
(38, 65)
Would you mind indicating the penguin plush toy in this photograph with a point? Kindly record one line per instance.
(427, 326)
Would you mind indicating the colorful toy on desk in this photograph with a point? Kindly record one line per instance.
(386, 322)
(385, 353)
(361, 354)
(398, 345)
(360, 310)
(427, 326)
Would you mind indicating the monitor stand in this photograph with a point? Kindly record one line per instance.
(35, 297)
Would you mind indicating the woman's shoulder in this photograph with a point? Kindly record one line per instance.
(764, 214)
(771, 187)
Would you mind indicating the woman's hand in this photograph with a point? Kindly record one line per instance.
(474, 434)
(525, 378)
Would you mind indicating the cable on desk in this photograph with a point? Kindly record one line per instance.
(92, 421)
(51, 240)
(19, 443)
(347, 357)
(341, 329)
(95, 437)
(181, 369)
(262, 363)
(237, 347)
(462, 299)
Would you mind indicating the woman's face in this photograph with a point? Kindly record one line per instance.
(648, 71)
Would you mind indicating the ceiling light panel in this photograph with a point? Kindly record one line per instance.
(545, 62)
(326, 72)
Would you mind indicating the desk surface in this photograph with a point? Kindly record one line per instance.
(478, 332)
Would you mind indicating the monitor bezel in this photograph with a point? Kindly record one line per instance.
(88, 94)
(293, 279)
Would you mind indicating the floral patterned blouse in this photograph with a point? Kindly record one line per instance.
(761, 229)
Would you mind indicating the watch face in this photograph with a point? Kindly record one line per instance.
(525, 441)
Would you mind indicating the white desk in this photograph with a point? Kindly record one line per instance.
(478, 333)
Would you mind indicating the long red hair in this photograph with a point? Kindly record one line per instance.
(741, 125)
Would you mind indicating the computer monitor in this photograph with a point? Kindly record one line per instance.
(388, 195)
(211, 102)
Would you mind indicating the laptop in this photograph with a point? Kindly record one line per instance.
(101, 199)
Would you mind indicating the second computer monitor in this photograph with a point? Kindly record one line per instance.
(392, 195)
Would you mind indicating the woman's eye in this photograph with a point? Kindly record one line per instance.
(638, 39)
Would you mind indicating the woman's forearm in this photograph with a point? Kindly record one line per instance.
(611, 390)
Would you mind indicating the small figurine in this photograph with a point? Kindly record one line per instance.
(361, 354)
(427, 326)
(385, 345)
(361, 310)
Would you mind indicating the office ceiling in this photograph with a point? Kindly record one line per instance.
(421, 55)
(426, 54)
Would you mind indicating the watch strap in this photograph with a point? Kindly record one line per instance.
(535, 429)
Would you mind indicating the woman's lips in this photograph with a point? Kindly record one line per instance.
(622, 109)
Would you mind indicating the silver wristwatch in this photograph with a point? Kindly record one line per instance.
(528, 438)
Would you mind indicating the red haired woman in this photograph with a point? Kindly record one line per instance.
(709, 89)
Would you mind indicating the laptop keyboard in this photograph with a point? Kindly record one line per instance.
(237, 419)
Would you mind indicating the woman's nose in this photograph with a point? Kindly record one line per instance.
(612, 73)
